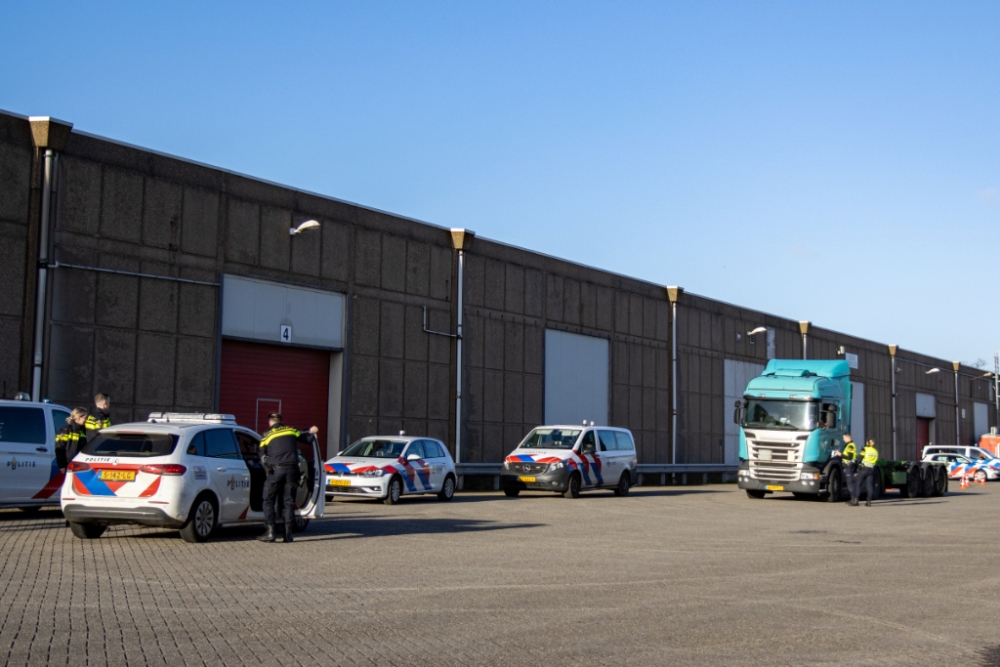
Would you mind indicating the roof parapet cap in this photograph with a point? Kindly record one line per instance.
(48, 132)
(461, 237)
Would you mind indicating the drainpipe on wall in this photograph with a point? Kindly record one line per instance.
(892, 372)
(804, 328)
(48, 135)
(459, 239)
(958, 425)
(673, 293)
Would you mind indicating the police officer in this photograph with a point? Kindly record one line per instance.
(869, 457)
(279, 454)
(849, 458)
(71, 438)
(99, 416)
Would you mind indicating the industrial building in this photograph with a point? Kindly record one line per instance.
(172, 285)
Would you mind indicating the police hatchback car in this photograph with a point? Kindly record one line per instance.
(388, 467)
(193, 472)
(568, 459)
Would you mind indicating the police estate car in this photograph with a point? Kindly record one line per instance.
(388, 467)
(193, 472)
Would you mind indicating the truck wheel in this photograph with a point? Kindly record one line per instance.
(926, 481)
(834, 486)
(756, 495)
(941, 480)
(913, 482)
(878, 484)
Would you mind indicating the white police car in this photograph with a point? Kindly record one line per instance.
(193, 472)
(29, 475)
(388, 467)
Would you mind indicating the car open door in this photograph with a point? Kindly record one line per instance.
(311, 498)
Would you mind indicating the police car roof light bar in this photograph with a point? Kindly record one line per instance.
(189, 418)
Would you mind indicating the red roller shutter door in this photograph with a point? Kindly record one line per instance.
(256, 376)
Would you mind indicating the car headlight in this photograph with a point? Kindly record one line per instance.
(506, 465)
(558, 465)
(374, 473)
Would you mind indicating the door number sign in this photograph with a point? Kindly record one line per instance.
(286, 333)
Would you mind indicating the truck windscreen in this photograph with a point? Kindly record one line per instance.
(790, 415)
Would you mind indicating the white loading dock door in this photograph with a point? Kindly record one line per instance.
(980, 420)
(858, 412)
(738, 375)
(576, 378)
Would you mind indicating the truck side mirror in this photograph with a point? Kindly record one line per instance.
(737, 412)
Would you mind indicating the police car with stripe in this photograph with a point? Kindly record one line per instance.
(192, 472)
(570, 459)
(29, 472)
(389, 467)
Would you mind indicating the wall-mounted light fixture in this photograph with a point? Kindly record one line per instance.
(753, 334)
(308, 224)
(933, 370)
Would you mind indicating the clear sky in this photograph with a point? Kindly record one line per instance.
(831, 161)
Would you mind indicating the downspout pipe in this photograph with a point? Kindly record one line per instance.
(49, 136)
(958, 425)
(892, 383)
(674, 294)
(460, 238)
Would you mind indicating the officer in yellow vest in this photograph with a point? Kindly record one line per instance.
(867, 471)
(849, 458)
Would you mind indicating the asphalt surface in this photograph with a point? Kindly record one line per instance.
(696, 575)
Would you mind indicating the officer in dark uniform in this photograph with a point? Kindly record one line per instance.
(71, 438)
(279, 454)
(99, 416)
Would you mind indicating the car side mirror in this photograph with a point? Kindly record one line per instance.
(340, 452)
(413, 457)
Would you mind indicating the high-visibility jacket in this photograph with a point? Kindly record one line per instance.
(96, 420)
(850, 453)
(870, 455)
(280, 445)
(70, 439)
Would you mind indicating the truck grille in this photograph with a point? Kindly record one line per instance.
(774, 461)
(528, 468)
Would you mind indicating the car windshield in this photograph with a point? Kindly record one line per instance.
(137, 445)
(791, 415)
(551, 438)
(382, 449)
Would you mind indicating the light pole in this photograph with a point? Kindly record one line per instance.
(958, 424)
(892, 357)
(804, 329)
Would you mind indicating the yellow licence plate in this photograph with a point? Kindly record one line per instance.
(118, 475)
(528, 480)
(340, 482)
(774, 487)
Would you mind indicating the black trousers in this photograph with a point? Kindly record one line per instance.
(865, 478)
(281, 482)
(851, 477)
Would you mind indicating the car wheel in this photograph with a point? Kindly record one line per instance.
(395, 491)
(834, 485)
(980, 476)
(300, 524)
(447, 489)
(511, 493)
(755, 494)
(86, 531)
(31, 509)
(202, 520)
(624, 485)
(573, 488)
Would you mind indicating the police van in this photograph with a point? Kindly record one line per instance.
(192, 472)
(569, 459)
(29, 474)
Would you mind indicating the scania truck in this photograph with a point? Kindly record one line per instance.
(793, 418)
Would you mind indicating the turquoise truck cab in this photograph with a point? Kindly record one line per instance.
(791, 419)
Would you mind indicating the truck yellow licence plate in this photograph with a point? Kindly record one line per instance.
(340, 482)
(774, 487)
(527, 480)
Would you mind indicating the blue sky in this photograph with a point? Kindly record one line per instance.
(837, 162)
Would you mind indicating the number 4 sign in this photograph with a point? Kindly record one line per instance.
(286, 333)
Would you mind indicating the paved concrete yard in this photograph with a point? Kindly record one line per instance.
(667, 576)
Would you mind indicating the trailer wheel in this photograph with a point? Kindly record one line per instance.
(940, 480)
(878, 484)
(755, 494)
(926, 480)
(834, 485)
(912, 482)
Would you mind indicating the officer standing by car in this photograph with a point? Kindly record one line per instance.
(849, 459)
(99, 416)
(71, 438)
(869, 457)
(279, 455)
